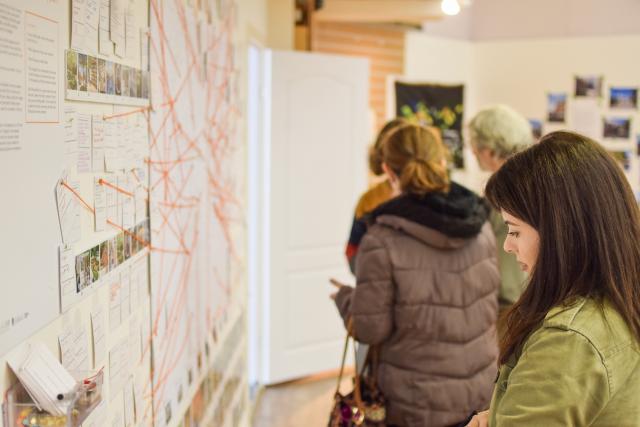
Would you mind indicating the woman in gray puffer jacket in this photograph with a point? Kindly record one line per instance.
(427, 285)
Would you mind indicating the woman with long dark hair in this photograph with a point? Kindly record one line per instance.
(570, 355)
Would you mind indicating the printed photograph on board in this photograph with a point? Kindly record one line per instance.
(623, 158)
(589, 86)
(111, 88)
(95, 263)
(536, 128)
(120, 248)
(556, 107)
(617, 127)
(138, 84)
(117, 77)
(104, 258)
(82, 72)
(83, 271)
(132, 82)
(127, 245)
(623, 97)
(102, 76)
(125, 80)
(92, 74)
(145, 85)
(72, 70)
(113, 255)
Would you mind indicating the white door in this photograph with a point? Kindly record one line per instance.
(315, 169)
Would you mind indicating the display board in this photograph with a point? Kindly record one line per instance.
(86, 159)
(195, 204)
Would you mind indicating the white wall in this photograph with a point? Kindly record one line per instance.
(521, 72)
(511, 19)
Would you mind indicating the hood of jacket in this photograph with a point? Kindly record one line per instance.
(439, 219)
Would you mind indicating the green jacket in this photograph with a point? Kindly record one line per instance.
(512, 278)
(580, 368)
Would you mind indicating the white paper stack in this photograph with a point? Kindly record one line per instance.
(44, 378)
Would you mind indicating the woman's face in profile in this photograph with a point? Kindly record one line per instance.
(522, 240)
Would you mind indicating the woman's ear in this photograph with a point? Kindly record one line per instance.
(393, 179)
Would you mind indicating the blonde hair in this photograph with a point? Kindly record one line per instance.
(417, 155)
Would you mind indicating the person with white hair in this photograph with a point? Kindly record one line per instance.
(496, 133)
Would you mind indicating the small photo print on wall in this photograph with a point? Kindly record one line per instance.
(72, 70)
(536, 128)
(92, 74)
(589, 86)
(623, 158)
(82, 72)
(617, 127)
(556, 107)
(623, 97)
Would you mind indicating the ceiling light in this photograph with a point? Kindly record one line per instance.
(450, 7)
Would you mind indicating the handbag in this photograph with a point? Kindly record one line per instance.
(365, 405)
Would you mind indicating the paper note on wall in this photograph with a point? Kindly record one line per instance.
(117, 26)
(78, 17)
(68, 209)
(110, 146)
(97, 417)
(98, 143)
(105, 43)
(92, 22)
(131, 33)
(73, 347)
(99, 205)
(70, 140)
(67, 276)
(125, 293)
(83, 130)
(114, 304)
(99, 340)
(128, 402)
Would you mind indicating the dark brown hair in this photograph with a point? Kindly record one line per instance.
(375, 152)
(577, 198)
(418, 156)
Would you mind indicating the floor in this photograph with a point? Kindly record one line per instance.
(304, 402)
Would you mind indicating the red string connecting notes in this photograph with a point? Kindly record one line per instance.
(193, 201)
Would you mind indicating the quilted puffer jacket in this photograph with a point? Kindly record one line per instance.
(426, 292)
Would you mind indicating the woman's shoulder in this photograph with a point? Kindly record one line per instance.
(373, 197)
(597, 321)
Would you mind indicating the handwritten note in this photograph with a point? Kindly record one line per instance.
(73, 346)
(67, 276)
(99, 205)
(68, 209)
(83, 130)
(99, 341)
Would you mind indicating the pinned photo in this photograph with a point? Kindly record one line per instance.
(589, 86)
(138, 84)
(623, 97)
(536, 128)
(111, 88)
(95, 263)
(92, 74)
(120, 247)
(104, 258)
(556, 107)
(127, 245)
(623, 158)
(132, 82)
(82, 72)
(113, 255)
(72, 70)
(117, 77)
(145, 85)
(617, 127)
(125, 80)
(102, 76)
(83, 271)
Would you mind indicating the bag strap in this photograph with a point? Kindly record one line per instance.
(344, 352)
